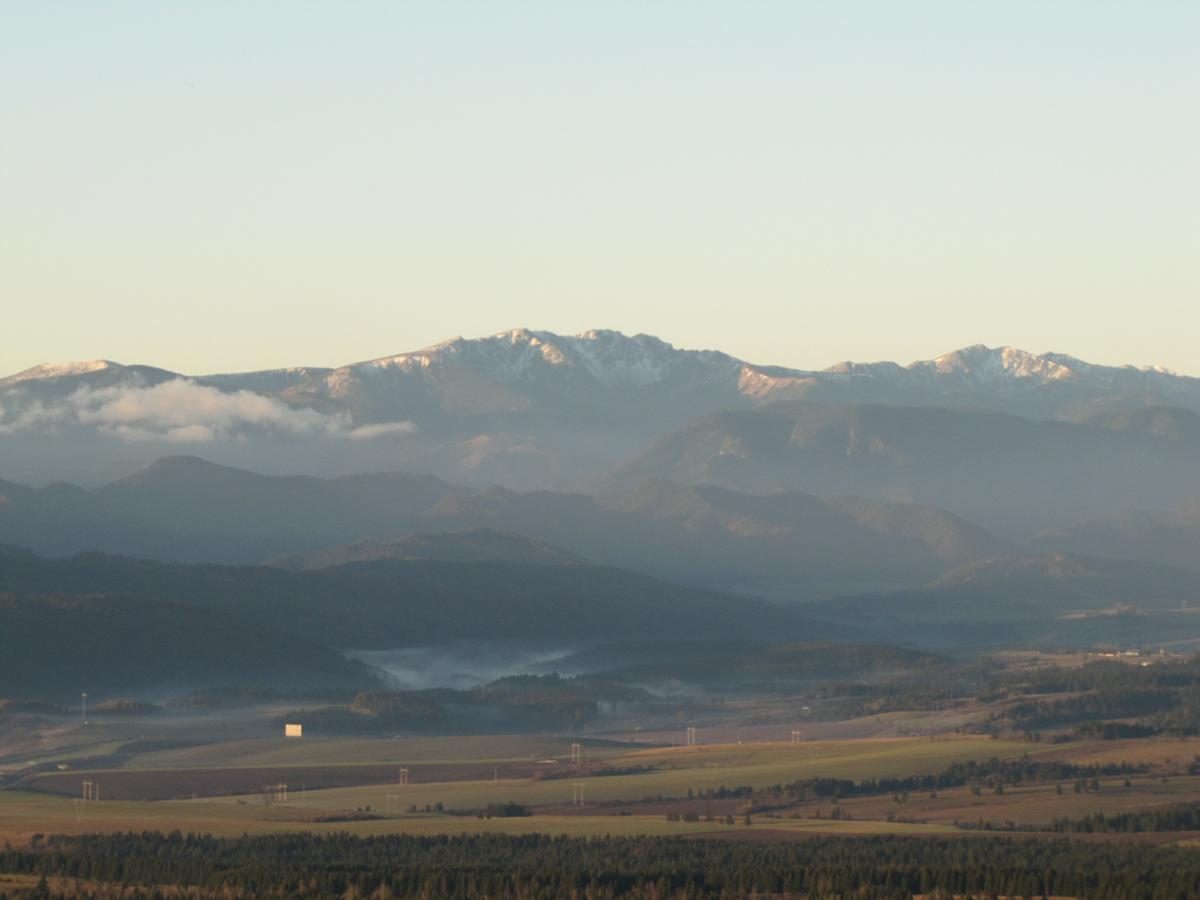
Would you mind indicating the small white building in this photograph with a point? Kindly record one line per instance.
(293, 729)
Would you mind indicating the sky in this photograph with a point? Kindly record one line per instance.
(220, 185)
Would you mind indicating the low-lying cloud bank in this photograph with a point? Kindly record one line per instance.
(181, 411)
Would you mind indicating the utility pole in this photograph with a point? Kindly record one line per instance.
(83, 708)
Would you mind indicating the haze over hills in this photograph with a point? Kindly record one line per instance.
(1042, 600)
(794, 544)
(693, 466)
(1005, 471)
(522, 409)
(477, 545)
(1169, 536)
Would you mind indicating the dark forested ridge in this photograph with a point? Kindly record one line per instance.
(50, 645)
(389, 603)
(541, 866)
(137, 624)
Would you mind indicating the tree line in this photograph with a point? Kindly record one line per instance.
(536, 866)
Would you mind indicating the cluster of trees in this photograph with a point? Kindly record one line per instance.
(1162, 697)
(1181, 817)
(1165, 695)
(1115, 703)
(1112, 731)
(693, 816)
(1104, 675)
(994, 772)
(936, 684)
(307, 865)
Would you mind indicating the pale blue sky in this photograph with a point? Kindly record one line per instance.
(228, 185)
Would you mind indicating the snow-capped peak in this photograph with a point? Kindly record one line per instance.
(980, 362)
(62, 370)
(614, 359)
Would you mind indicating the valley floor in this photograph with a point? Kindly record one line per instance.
(271, 785)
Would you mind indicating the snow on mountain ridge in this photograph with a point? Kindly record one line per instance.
(982, 362)
(61, 370)
(617, 361)
(612, 358)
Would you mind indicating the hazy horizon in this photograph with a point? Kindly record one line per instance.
(766, 362)
(213, 189)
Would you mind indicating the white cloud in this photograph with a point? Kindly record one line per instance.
(380, 429)
(35, 415)
(181, 411)
(182, 404)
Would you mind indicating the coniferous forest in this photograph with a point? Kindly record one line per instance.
(536, 866)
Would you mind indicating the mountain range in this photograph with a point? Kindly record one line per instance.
(536, 410)
(1013, 474)
(580, 375)
(792, 544)
(692, 466)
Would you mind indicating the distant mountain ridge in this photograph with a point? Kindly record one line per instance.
(524, 361)
(1015, 441)
(186, 509)
(1170, 537)
(1011, 474)
(475, 546)
(1046, 600)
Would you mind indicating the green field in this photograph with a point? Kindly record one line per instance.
(665, 772)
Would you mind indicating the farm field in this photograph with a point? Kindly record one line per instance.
(247, 767)
(182, 784)
(1034, 805)
(24, 814)
(272, 752)
(149, 790)
(1168, 752)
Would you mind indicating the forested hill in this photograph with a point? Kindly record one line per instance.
(371, 605)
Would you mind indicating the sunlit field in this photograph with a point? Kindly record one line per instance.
(565, 798)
